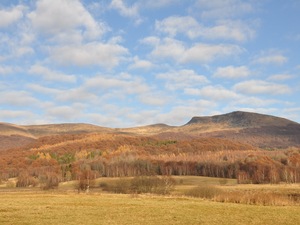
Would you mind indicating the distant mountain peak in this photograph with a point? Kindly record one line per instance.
(242, 119)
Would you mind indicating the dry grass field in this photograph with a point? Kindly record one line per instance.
(65, 206)
(69, 208)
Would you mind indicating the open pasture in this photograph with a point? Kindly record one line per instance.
(65, 206)
(56, 208)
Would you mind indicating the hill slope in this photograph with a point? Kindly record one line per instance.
(242, 119)
(256, 129)
(12, 135)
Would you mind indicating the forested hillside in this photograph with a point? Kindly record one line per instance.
(216, 147)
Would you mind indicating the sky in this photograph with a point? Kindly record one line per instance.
(124, 63)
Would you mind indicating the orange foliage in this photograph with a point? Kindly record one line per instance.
(127, 155)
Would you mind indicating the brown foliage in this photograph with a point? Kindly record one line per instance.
(255, 198)
(204, 191)
(25, 180)
(86, 179)
(49, 180)
(142, 184)
(119, 155)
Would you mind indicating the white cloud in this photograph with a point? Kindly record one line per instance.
(57, 17)
(180, 114)
(105, 120)
(152, 40)
(65, 113)
(123, 9)
(217, 93)
(168, 48)
(14, 46)
(17, 98)
(78, 95)
(179, 24)
(198, 53)
(223, 29)
(254, 101)
(232, 72)
(10, 16)
(50, 75)
(207, 52)
(23, 50)
(133, 10)
(280, 77)
(62, 48)
(4, 70)
(101, 54)
(22, 115)
(157, 4)
(153, 99)
(73, 95)
(130, 85)
(223, 8)
(261, 87)
(44, 90)
(274, 59)
(182, 79)
(141, 64)
(271, 57)
(229, 30)
(121, 86)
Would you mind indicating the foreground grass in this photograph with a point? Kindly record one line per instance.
(71, 208)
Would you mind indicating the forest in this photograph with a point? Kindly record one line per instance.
(84, 157)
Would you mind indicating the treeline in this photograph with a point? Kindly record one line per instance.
(263, 169)
(253, 169)
(86, 157)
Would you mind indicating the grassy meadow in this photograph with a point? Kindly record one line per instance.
(65, 206)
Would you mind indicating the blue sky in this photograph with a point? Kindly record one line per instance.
(128, 63)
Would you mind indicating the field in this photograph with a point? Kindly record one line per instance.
(65, 206)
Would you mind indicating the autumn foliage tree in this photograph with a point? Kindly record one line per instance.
(25, 180)
(85, 157)
(85, 178)
(49, 180)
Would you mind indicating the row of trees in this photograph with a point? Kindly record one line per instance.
(253, 169)
(265, 170)
(84, 158)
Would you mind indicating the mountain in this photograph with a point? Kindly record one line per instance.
(65, 128)
(242, 119)
(259, 130)
(12, 135)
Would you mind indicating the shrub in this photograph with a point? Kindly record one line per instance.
(167, 184)
(203, 191)
(24, 180)
(10, 184)
(49, 181)
(254, 198)
(139, 185)
(86, 180)
(103, 185)
(121, 186)
(156, 185)
(223, 181)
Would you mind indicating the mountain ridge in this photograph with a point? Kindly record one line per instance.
(257, 129)
(242, 119)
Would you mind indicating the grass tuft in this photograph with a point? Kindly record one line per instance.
(255, 198)
(204, 191)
